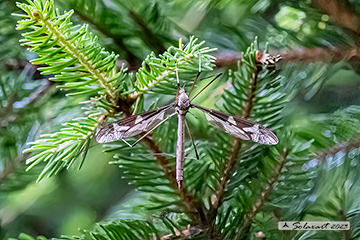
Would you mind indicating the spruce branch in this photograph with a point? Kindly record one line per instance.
(61, 149)
(345, 146)
(119, 229)
(237, 143)
(18, 105)
(231, 161)
(263, 198)
(70, 52)
(156, 71)
(255, 93)
(76, 59)
(90, 66)
(11, 166)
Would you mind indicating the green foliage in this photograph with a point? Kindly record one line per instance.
(227, 194)
(120, 229)
(24, 236)
(346, 124)
(73, 54)
(161, 70)
(61, 149)
(136, 27)
(9, 48)
(22, 110)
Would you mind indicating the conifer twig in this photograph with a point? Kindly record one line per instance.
(343, 146)
(233, 157)
(136, 94)
(264, 196)
(236, 146)
(267, 191)
(89, 66)
(194, 207)
(317, 54)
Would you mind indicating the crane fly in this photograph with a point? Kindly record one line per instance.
(148, 121)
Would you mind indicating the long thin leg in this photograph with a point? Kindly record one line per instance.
(148, 132)
(126, 142)
(136, 105)
(192, 140)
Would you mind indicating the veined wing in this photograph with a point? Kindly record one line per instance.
(239, 127)
(131, 126)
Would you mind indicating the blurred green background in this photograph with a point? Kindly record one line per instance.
(318, 42)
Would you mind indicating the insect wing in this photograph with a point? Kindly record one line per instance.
(131, 126)
(239, 127)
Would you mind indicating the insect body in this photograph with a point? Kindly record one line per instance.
(148, 121)
(181, 108)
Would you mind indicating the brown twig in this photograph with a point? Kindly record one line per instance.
(193, 206)
(188, 233)
(344, 146)
(318, 54)
(342, 216)
(340, 13)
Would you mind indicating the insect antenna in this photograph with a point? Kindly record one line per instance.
(197, 76)
(177, 81)
(206, 86)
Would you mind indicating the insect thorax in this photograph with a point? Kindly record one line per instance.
(183, 103)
